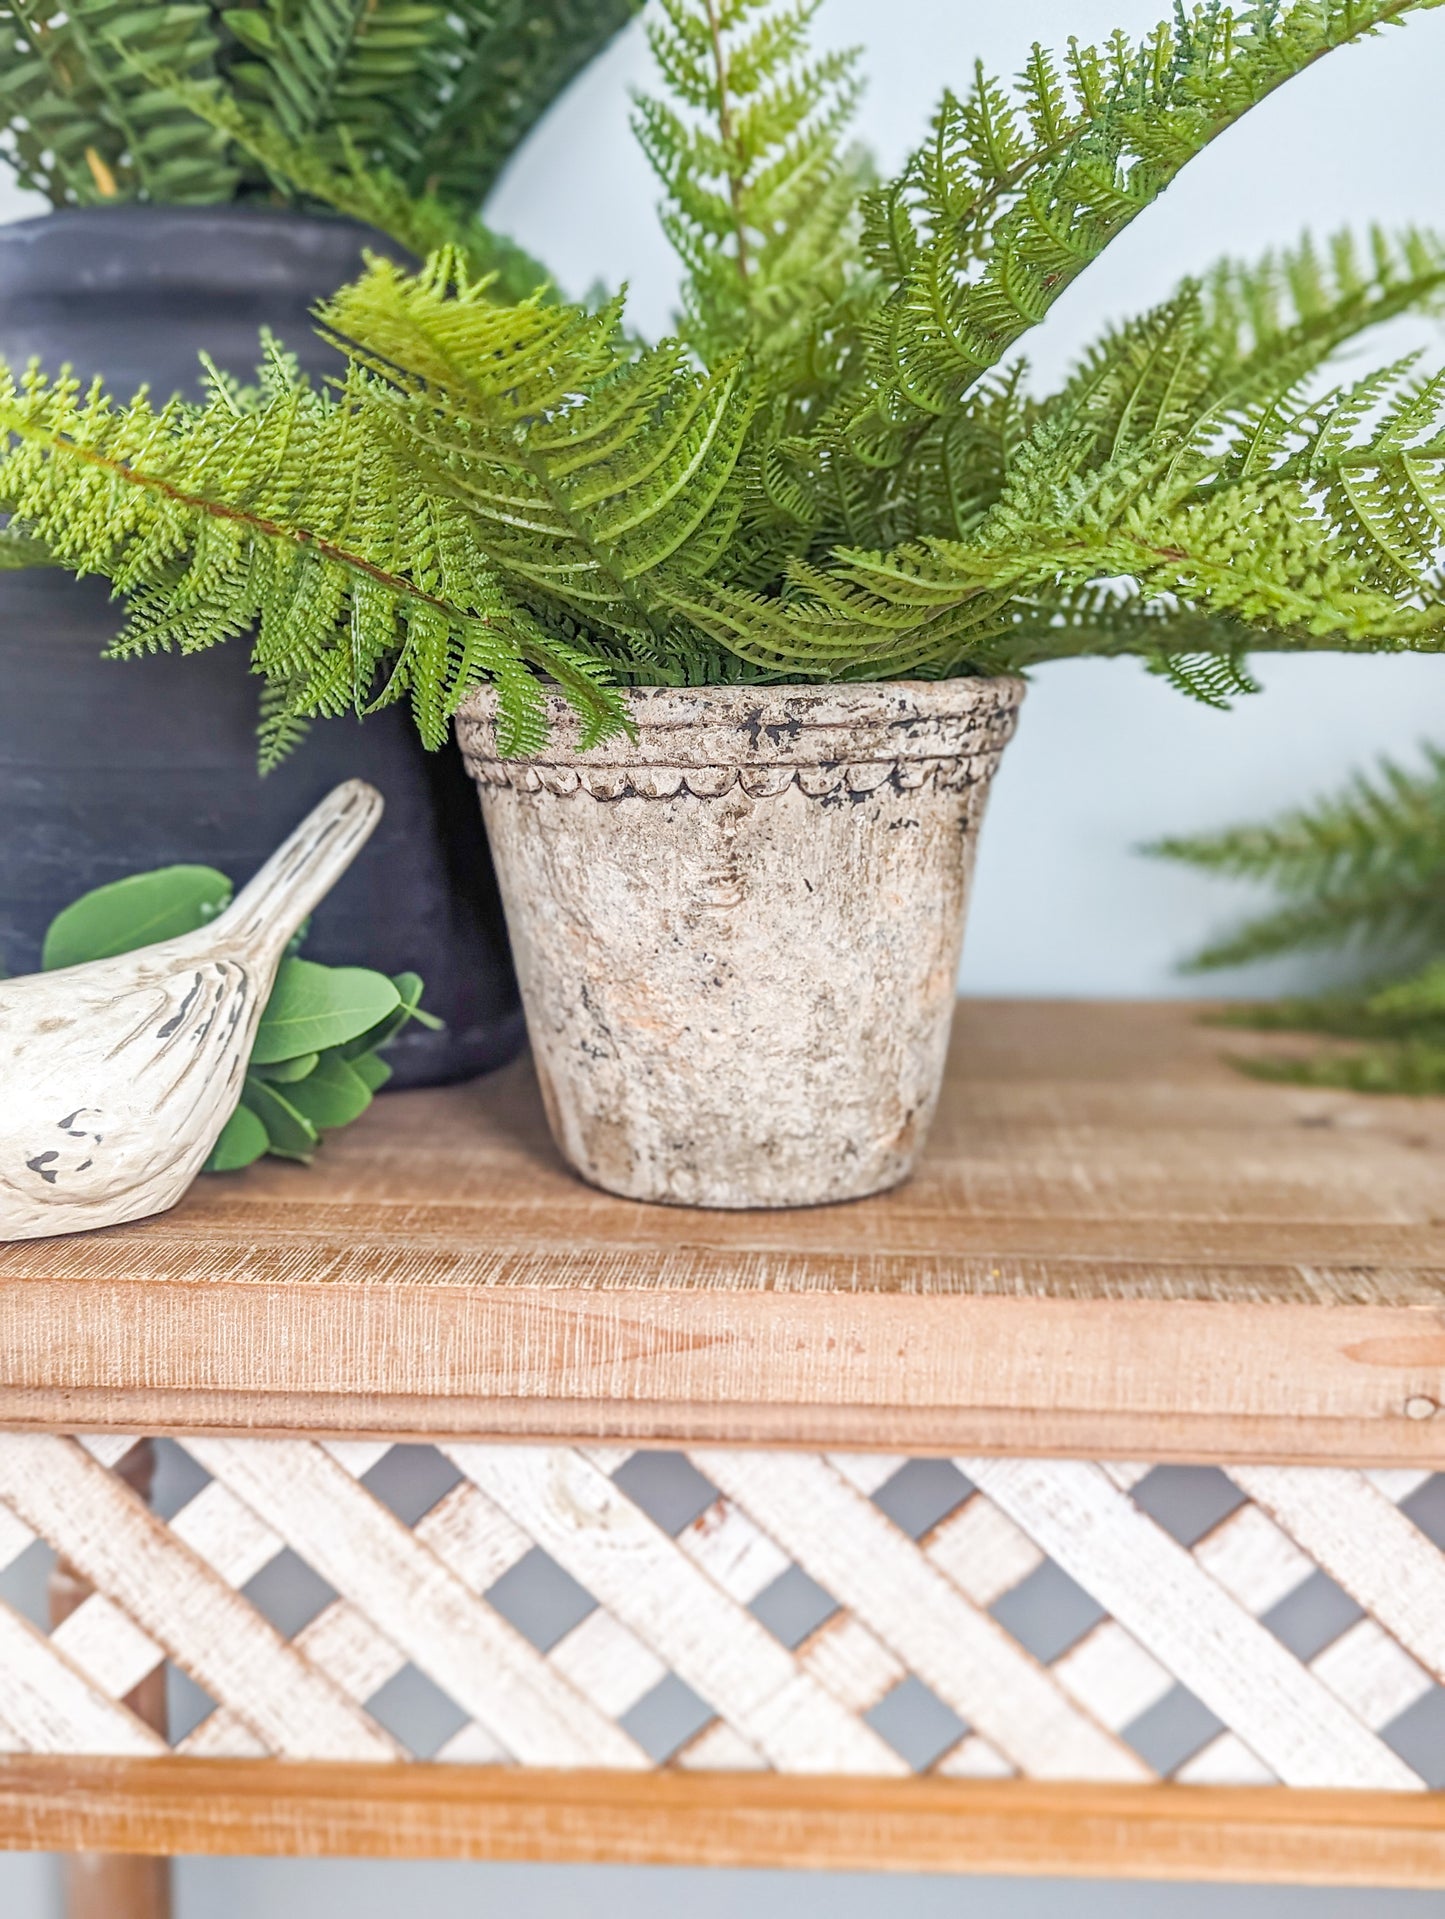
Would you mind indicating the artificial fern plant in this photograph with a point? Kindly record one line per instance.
(837, 469)
(401, 112)
(1362, 872)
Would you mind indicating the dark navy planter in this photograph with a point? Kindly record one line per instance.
(109, 767)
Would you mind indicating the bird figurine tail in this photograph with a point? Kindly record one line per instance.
(302, 871)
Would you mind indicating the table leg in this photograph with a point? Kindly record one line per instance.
(102, 1885)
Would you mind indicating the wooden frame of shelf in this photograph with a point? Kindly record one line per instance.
(1266, 1834)
(1117, 1249)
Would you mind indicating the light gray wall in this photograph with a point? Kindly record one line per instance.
(1106, 757)
(355, 1889)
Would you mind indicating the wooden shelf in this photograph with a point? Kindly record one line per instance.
(1117, 1247)
(724, 1819)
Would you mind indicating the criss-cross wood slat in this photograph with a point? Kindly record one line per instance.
(689, 1606)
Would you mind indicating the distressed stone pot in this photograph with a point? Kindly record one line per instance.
(738, 934)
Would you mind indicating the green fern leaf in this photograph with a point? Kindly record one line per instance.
(990, 222)
(762, 198)
(341, 583)
(84, 125)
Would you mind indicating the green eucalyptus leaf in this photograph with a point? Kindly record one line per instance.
(243, 1141)
(409, 989)
(285, 1072)
(334, 1095)
(135, 912)
(289, 1133)
(315, 1007)
(371, 1070)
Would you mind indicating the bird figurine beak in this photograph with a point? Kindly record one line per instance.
(117, 1077)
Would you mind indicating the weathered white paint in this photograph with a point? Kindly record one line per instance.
(1152, 1585)
(737, 932)
(844, 1542)
(682, 1605)
(119, 1075)
(417, 1601)
(589, 1526)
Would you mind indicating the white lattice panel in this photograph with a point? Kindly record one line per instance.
(735, 1610)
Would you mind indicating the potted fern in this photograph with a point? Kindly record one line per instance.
(215, 170)
(732, 625)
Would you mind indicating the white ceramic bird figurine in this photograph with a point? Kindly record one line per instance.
(117, 1077)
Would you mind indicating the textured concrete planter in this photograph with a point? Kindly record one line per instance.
(737, 936)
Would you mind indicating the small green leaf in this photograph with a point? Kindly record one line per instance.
(372, 1071)
(333, 1096)
(289, 1133)
(135, 912)
(411, 987)
(243, 1141)
(409, 990)
(251, 27)
(285, 1072)
(315, 1007)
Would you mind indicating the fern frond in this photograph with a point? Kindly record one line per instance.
(496, 68)
(838, 471)
(362, 190)
(761, 196)
(1390, 827)
(1151, 471)
(288, 516)
(434, 95)
(1361, 869)
(324, 71)
(1410, 1001)
(1358, 919)
(1015, 194)
(1213, 679)
(593, 476)
(1343, 1015)
(1414, 1068)
(83, 124)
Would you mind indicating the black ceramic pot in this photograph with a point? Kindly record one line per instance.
(108, 767)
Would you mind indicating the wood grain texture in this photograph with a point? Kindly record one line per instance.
(841, 1540)
(116, 1543)
(1115, 1247)
(696, 1604)
(917, 1825)
(1228, 1660)
(646, 1581)
(114, 1885)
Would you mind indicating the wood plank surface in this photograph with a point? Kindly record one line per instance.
(725, 1819)
(1116, 1246)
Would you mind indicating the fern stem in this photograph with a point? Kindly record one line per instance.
(726, 135)
(1040, 155)
(270, 529)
